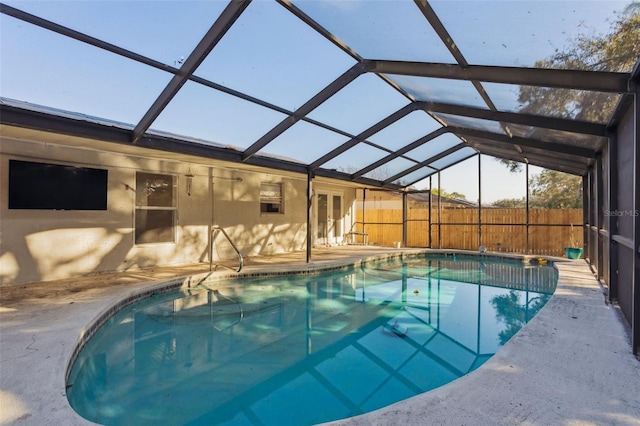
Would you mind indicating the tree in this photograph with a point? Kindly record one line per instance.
(514, 314)
(444, 194)
(616, 51)
(380, 173)
(555, 190)
(513, 166)
(549, 190)
(510, 203)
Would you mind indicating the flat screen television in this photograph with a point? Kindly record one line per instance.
(45, 186)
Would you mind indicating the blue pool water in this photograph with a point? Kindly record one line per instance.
(306, 349)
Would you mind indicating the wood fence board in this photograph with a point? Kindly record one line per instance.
(502, 229)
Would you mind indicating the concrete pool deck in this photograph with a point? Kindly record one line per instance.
(572, 364)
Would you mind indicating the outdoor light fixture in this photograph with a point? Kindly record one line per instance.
(189, 177)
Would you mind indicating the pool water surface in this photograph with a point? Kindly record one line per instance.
(302, 350)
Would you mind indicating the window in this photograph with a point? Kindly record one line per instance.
(56, 187)
(271, 198)
(155, 208)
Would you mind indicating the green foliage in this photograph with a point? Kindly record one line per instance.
(457, 196)
(617, 51)
(513, 166)
(513, 314)
(445, 194)
(510, 203)
(555, 190)
(549, 190)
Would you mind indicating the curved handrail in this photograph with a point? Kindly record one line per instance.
(218, 228)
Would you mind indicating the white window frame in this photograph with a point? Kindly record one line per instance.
(140, 208)
(271, 194)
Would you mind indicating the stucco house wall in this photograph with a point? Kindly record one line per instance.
(42, 245)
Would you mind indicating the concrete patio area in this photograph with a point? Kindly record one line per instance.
(572, 364)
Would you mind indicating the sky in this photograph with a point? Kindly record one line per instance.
(497, 181)
(271, 55)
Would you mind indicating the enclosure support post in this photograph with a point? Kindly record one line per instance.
(404, 218)
(598, 211)
(212, 221)
(635, 317)
(586, 205)
(593, 216)
(364, 197)
(526, 206)
(439, 213)
(309, 207)
(479, 200)
(430, 215)
(612, 279)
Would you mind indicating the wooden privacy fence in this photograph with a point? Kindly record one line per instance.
(549, 230)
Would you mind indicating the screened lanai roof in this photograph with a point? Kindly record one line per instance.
(383, 93)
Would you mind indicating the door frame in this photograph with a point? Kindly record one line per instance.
(330, 239)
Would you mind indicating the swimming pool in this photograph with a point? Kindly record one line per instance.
(296, 350)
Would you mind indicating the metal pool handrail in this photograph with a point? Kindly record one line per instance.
(218, 228)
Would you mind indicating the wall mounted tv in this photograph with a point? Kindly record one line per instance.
(56, 187)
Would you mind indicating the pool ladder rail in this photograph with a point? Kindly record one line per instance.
(240, 258)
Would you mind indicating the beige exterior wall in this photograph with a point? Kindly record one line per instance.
(42, 245)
